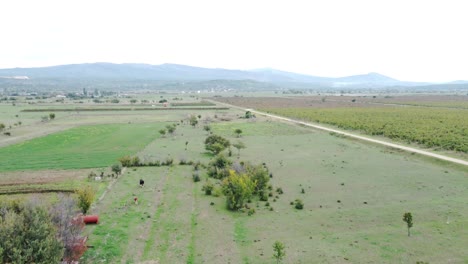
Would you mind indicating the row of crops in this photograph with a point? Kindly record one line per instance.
(431, 127)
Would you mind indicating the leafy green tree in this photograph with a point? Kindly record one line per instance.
(248, 114)
(207, 128)
(116, 168)
(239, 145)
(52, 116)
(85, 198)
(133, 101)
(193, 120)
(238, 132)
(218, 168)
(278, 251)
(171, 129)
(126, 161)
(237, 188)
(408, 219)
(216, 144)
(28, 235)
(260, 175)
(162, 132)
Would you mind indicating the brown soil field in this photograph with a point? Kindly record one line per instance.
(41, 177)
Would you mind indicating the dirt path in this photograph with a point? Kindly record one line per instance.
(409, 149)
(134, 252)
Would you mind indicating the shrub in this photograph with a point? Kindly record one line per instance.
(216, 144)
(217, 192)
(196, 176)
(116, 168)
(85, 198)
(27, 235)
(237, 188)
(251, 211)
(299, 204)
(208, 188)
(126, 161)
(279, 190)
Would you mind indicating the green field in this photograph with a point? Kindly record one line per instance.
(81, 147)
(175, 223)
(442, 128)
(354, 193)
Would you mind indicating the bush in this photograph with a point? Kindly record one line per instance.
(279, 190)
(299, 204)
(237, 188)
(126, 161)
(251, 211)
(27, 235)
(216, 144)
(208, 188)
(85, 198)
(196, 176)
(116, 168)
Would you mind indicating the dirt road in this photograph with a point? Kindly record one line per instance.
(409, 149)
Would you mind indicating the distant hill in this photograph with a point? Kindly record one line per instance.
(180, 76)
(179, 72)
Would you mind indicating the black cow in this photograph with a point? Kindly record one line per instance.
(142, 182)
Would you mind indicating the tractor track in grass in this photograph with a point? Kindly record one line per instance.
(363, 138)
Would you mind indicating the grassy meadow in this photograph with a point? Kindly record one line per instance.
(354, 193)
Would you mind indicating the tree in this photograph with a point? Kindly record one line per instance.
(408, 219)
(162, 132)
(126, 161)
(85, 198)
(171, 129)
(218, 168)
(2, 126)
(278, 251)
(239, 145)
(193, 120)
(27, 235)
(133, 101)
(238, 131)
(51, 116)
(237, 188)
(248, 114)
(186, 143)
(116, 168)
(216, 144)
(207, 128)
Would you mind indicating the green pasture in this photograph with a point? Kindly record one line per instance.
(355, 195)
(80, 147)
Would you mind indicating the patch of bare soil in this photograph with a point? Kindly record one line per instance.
(41, 177)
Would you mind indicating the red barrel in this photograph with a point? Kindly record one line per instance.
(90, 219)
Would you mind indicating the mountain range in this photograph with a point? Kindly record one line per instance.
(184, 73)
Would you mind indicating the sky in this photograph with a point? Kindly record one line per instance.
(410, 40)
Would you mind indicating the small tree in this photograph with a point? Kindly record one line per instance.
(216, 144)
(207, 128)
(186, 143)
(51, 116)
(248, 114)
(237, 188)
(171, 129)
(162, 132)
(193, 120)
(116, 168)
(2, 126)
(278, 251)
(238, 132)
(408, 219)
(28, 235)
(133, 101)
(85, 198)
(239, 145)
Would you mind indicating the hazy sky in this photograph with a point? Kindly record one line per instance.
(414, 40)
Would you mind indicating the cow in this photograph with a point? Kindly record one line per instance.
(142, 182)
